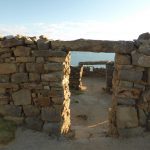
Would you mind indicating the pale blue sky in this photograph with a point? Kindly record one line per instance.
(71, 19)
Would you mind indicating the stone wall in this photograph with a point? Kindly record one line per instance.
(34, 84)
(109, 75)
(75, 77)
(95, 72)
(131, 89)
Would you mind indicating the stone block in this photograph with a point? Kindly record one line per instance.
(126, 101)
(22, 97)
(56, 59)
(16, 120)
(58, 100)
(6, 55)
(144, 49)
(22, 67)
(144, 61)
(19, 77)
(34, 123)
(4, 50)
(142, 117)
(30, 110)
(126, 117)
(56, 76)
(140, 59)
(49, 53)
(125, 84)
(35, 67)
(128, 93)
(53, 67)
(130, 75)
(11, 42)
(25, 59)
(146, 96)
(52, 128)
(4, 99)
(7, 68)
(43, 44)
(10, 110)
(122, 59)
(43, 101)
(148, 76)
(51, 114)
(31, 86)
(22, 51)
(9, 86)
(4, 78)
(34, 77)
(40, 60)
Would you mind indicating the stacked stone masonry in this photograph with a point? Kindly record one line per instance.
(131, 88)
(34, 83)
(75, 77)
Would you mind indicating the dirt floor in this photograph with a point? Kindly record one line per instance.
(89, 121)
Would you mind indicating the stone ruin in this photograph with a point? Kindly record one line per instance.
(82, 70)
(34, 82)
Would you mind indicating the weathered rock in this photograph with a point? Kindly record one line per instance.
(6, 55)
(144, 36)
(16, 120)
(129, 93)
(148, 76)
(144, 61)
(4, 50)
(43, 101)
(31, 110)
(35, 67)
(9, 85)
(10, 110)
(19, 77)
(22, 97)
(49, 53)
(144, 49)
(125, 84)
(43, 43)
(56, 76)
(34, 77)
(146, 96)
(4, 78)
(130, 75)
(56, 59)
(142, 117)
(52, 128)
(40, 60)
(25, 59)
(126, 117)
(53, 67)
(7, 68)
(51, 114)
(22, 51)
(11, 42)
(58, 100)
(31, 86)
(123, 59)
(34, 123)
(4, 99)
(126, 101)
(22, 67)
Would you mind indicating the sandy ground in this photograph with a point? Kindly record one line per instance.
(89, 121)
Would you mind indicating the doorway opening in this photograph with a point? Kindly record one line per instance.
(89, 98)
